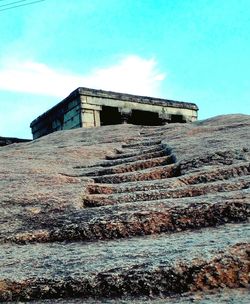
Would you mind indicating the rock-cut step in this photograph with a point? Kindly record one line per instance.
(153, 134)
(187, 191)
(120, 153)
(115, 162)
(143, 156)
(134, 166)
(155, 173)
(203, 176)
(208, 259)
(138, 144)
(155, 217)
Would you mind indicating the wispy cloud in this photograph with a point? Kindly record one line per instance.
(132, 74)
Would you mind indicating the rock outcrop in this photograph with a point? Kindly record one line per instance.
(128, 214)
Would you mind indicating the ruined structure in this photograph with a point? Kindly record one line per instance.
(93, 108)
(5, 141)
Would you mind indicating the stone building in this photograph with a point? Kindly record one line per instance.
(87, 108)
(5, 141)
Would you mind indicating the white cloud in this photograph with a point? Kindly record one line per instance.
(132, 74)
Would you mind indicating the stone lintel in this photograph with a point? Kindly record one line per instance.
(88, 106)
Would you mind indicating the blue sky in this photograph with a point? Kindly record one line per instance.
(187, 50)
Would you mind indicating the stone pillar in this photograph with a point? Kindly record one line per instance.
(125, 115)
(164, 118)
(188, 119)
(88, 120)
(97, 118)
(90, 115)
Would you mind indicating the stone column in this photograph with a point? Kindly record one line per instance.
(97, 118)
(189, 119)
(125, 115)
(164, 118)
(90, 115)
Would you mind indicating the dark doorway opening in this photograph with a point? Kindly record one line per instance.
(110, 116)
(147, 118)
(177, 118)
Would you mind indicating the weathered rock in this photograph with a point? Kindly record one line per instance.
(128, 212)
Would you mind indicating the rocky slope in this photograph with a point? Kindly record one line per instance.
(128, 214)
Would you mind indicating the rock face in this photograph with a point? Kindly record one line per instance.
(128, 214)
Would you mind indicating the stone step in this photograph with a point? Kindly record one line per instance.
(143, 175)
(134, 166)
(115, 162)
(186, 191)
(173, 264)
(202, 176)
(165, 217)
(148, 137)
(152, 131)
(144, 156)
(153, 134)
(155, 137)
(125, 154)
(128, 187)
(138, 144)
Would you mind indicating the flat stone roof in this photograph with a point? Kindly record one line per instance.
(135, 98)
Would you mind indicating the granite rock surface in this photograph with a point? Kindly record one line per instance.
(128, 214)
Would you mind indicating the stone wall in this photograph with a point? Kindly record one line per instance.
(5, 141)
(64, 116)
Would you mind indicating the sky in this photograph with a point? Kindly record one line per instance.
(185, 50)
